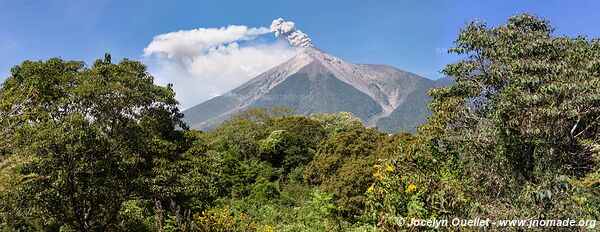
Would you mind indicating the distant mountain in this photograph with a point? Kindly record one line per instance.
(315, 82)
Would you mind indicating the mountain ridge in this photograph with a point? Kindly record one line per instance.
(313, 81)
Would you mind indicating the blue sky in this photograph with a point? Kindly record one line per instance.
(410, 35)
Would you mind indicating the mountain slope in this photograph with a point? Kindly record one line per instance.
(315, 82)
(414, 110)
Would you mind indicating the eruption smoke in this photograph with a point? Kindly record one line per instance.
(288, 30)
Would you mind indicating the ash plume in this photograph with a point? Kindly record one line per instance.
(288, 30)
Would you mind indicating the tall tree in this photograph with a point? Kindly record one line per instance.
(524, 109)
(88, 139)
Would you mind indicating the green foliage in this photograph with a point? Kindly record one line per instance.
(136, 216)
(292, 141)
(339, 121)
(186, 177)
(340, 166)
(526, 100)
(86, 140)
(314, 211)
(513, 137)
(242, 132)
(313, 131)
(222, 220)
(317, 214)
(535, 93)
(516, 136)
(416, 181)
(284, 149)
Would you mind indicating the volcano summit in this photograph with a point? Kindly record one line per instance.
(313, 81)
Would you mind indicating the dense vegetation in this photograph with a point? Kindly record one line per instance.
(102, 148)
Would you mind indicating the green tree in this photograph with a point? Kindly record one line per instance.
(87, 140)
(242, 132)
(292, 142)
(285, 150)
(339, 121)
(342, 167)
(314, 131)
(524, 113)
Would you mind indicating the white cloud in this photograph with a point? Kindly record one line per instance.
(206, 62)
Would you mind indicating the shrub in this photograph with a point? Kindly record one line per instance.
(340, 167)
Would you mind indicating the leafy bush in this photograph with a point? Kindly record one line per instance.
(340, 167)
(222, 220)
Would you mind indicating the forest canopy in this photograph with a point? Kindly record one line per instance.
(103, 148)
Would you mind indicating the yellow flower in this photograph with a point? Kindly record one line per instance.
(377, 167)
(411, 188)
(378, 176)
(268, 228)
(371, 188)
(389, 168)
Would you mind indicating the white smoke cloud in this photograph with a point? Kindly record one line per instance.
(206, 62)
(288, 30)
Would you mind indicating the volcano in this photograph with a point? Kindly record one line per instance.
(313, 81)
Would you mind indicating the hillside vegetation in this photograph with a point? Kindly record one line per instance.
(516, 136)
